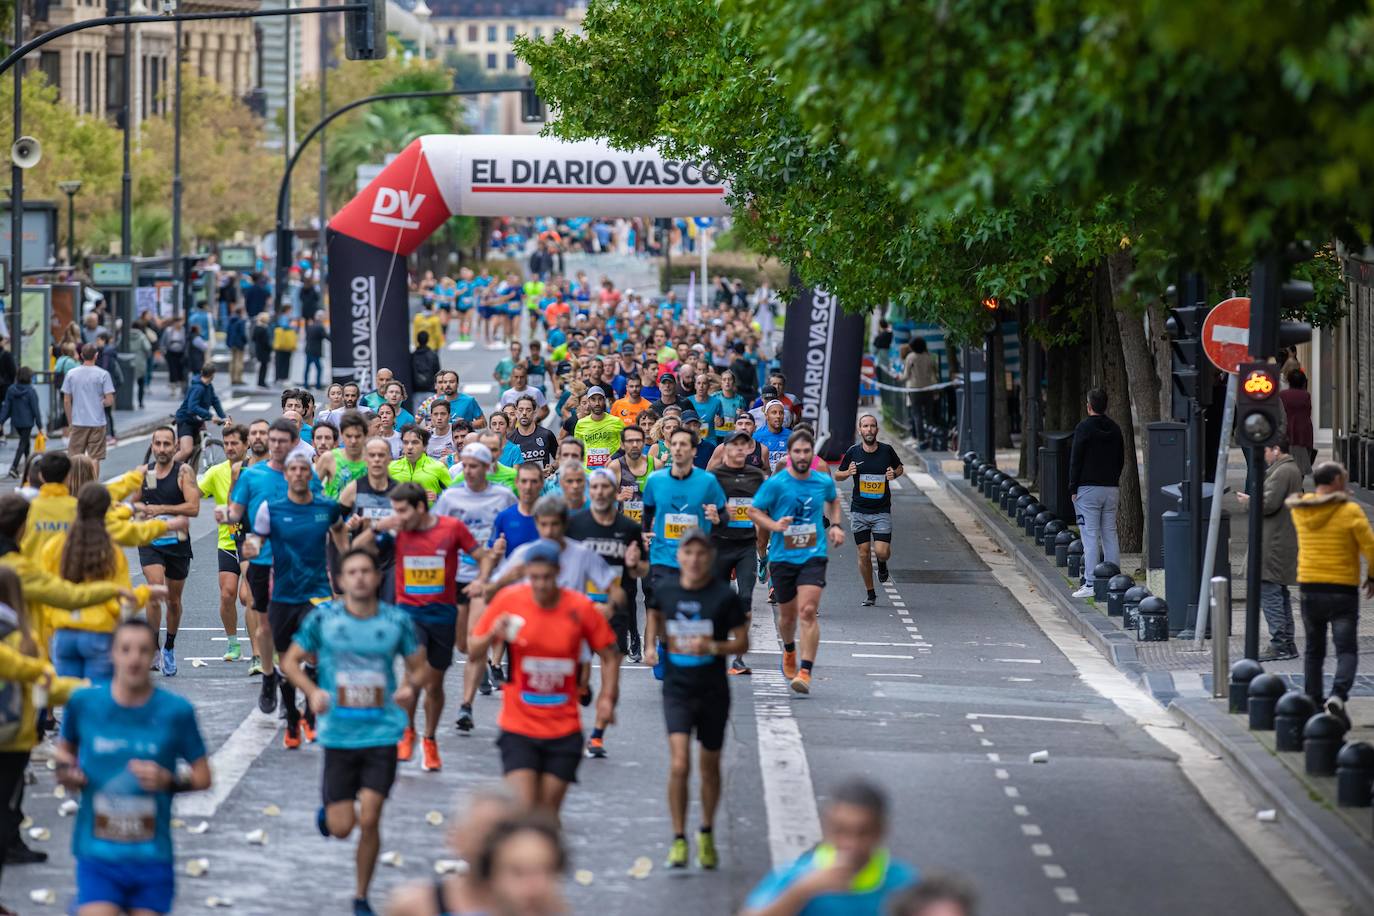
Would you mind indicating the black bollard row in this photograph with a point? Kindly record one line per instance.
(1355, 775)
(1117, 587)
(1265, 691)
(1242, 673)
(1322, 738)
(1291, 713)
(1152, 620)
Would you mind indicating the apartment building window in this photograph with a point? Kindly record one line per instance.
(491, 33)
(472, 33)
(114, 83)
(510, 61)
(510, 33)
(50, 63)
(88, 82)
(491, 61)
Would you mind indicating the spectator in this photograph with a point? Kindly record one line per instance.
(310, 299)
(314, 350)
(882, 341)
(937, 895)
(108, 359)
(173, 347)
(197, 351)
(199, 317)
(91, 327)
(236, 338)
(262, 345)
(256, 297)
(1333, 532)
(141, 351)
(918, 371)
(86, 392)
(1095, 464)
(823, 879)
(20, 408)
(283, 344)
(1297, 415)
(424, 365)
(1282, 479)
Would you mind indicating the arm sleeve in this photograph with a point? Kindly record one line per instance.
(1364, 536)
(1275, 492)
(108, 381)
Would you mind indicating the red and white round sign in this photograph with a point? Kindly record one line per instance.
(1226, 334)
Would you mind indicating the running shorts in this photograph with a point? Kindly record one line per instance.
(438, 640)
(705, 712)
(228, 561)
(285, 619)
(190, 428)
(871, 526)
(787, 576)
(348, 770)
(260, 585)
(174, 567)
(555, 756)
(128, 885)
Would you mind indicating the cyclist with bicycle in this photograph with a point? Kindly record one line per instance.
(199, 407)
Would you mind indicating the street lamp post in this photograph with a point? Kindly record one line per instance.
(17, 195)
(178, 287)
(422, 13)
(70, 188)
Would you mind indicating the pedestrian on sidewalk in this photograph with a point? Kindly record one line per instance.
(236, 338)
(108, 359)
(173, 347)
(141, 349)
(1297, 415)
(86, 392)
(314, 349)
(20, 408)
(1333, 533)
(918, 371)
(1282, 479)
(1095, 464)
(283, 343)
(262, 345)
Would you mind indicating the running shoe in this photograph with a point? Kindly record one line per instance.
(254, 666)
(706, 850)
(738, 667)
(772, 596)
(430, 749)
(484, 688)
(362, 908)
(267, 696)
(292, 739)
(1084, 591)
(405, 748)
(1335, 706)
(596, 747)
(465, 719)
(635, 657)
(789, 664)
(494, 673)
(883, 574)
(677, 855)
(234, 652)
(802, 682)
(169, 663)
(869, 601)
(308, 729)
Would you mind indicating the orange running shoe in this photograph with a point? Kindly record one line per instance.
(405, 748)
(596, 747)
(307, 730)
(431, 762)
(802, 682)
(292, 739)
(789, 664)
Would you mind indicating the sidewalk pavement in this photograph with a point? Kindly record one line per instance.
(1179, 678)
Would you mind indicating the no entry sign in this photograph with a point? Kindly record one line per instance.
(1226, 334)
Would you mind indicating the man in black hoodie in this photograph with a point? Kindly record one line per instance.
(1094, 477)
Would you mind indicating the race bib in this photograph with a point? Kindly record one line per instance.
(166, 540)
(598, 457)
(676, 524)
(423, 575)
(685, 637)
(376, 512)
(872, 484)
(737, 511)
(546, 680)
(360, 689)
(776, 458)
(595, 594)
(724, 427)
(125, 818)
(799, 537)
(634, 509)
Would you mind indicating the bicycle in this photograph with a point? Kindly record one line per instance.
(208, 450)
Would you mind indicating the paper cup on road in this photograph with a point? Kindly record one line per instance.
(197, 867)
(68, 807)
(217, 902)
(434, 818)
(514, 623)
(39, 833)
(43, 895)
(450, 867)
(256, 837)
(198, 828)
(392, 859)
(1040, 757)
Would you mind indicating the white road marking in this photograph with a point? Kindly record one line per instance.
(1030, 830)
(462, 345)
(1054, 871)
(994, 758)
(1001, 773)
(1019, 680)
(1066, 894)
(1020, 810)
(991, 715)
(976, 727)
(253, 406)
(881, 674)
(1011, 791)
(478, 388)
(229, 764)
(985, 742)
(789, 798)
(875, 655)
(1042, 850)
(1019, 661)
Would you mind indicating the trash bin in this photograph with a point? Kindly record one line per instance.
(1054, 473)
(124, 394)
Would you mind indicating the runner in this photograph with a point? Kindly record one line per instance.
(217, 483)
(629, 407)
(793, 505)
(353, 644)
(758, 455)
(296, 525)
(427, 547)
(731, 404)
(369, 499)
(440, 446)
(120, 748)
(545, 627)
(599, 431)
(520, 387)
(536, 443)
(677, 498)
(704, 622)
(337, 467)
(737, 542)
(417, 467)
(169, 490)
(475, 503)
(872, 464)
(631, 469)
(515, 525)
(773, 436)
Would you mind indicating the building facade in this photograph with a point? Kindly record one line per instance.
(486, 30)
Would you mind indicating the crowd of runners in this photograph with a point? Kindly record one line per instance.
(636, 475)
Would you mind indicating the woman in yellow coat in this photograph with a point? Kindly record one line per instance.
(87, 553)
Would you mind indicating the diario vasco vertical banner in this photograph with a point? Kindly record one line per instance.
(822, 349)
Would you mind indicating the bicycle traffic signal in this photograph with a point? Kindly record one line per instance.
(1259, 412)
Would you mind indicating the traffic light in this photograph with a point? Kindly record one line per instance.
(1259, 412)
(365, 32)
(1193, 374)
(1271, 294)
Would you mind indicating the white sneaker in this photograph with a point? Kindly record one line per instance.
(1084, 591)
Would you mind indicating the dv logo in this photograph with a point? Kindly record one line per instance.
(390, 201)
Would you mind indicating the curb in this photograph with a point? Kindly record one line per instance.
(1115, 646)
(1343, 855)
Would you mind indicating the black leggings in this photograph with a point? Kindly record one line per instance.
(21, 451)
(12, 766)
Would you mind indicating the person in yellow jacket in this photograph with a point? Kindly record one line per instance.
(86, 553)
(52, 510)
(40, 586)
(27, 684)
(427, 319)
(1333, 533)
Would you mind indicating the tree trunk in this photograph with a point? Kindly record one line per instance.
(1115, 378)
(1162, 356)
(1023, 311)
(998, 387)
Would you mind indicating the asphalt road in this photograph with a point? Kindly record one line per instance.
(940, 694)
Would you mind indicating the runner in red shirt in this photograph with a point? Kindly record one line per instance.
(427, 548)
(545, 626)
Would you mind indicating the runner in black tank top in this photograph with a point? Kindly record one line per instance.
(369, 496)
(169, 490)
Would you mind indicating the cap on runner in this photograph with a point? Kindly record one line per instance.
(595, 390)
(690, 416)
(739, 435)
(695, 534)
(542, 551)
(476, 450)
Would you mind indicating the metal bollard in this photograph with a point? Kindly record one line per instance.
(1076, 560)
(1242, 673)
(969, 458)
(1022, 501)
(1130, 606)
(1291, 713)
(1003, 489)
(1265, 691)
(1032, 513)
(1117, 587)
(1038, 529)
(1322, 737)
(1014, 493)
(994, 488)
(990, 479)
(1152, 620)
(1062, 540)
(1221, 623)
(1102, 575)
(1052, 529)
(1355, 775)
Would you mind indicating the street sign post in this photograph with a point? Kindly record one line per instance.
(1226, 334)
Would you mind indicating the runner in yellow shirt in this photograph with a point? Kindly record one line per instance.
(599, 431)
